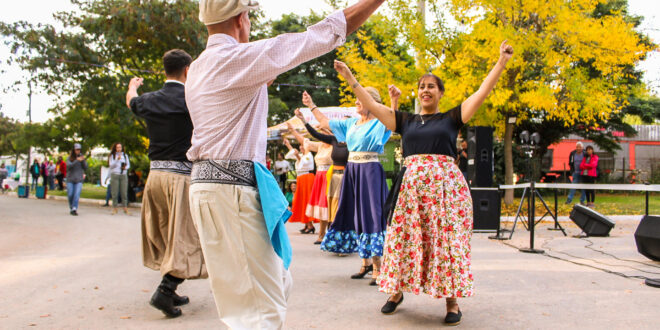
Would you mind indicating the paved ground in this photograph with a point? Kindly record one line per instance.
(60, 271)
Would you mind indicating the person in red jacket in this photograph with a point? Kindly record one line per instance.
(60, 173)
(589, 172)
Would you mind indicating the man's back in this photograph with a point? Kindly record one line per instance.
(226, 88)
(168, 121)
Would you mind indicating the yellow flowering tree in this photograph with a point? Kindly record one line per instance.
(572, 64)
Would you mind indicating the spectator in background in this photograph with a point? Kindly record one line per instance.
(34, 171)
(291, 192)
(133, 184)
(51, 175)
(3, 175)
(574, 161)
(119, 165)
(44, 172)
(108, 191)
(60, 173)
(282, 168)
(462, 159)
(589, 172)
(269, 163)
(76, 165)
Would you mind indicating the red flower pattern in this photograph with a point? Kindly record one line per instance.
(428, 244)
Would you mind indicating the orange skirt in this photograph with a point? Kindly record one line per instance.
(301, 198)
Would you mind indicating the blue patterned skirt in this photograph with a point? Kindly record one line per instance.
(360, 222)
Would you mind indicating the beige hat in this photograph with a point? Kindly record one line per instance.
(218, 11)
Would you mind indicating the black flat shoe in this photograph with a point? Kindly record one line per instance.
(453, 318)
(373, 282)
(390, 306)
(318, 242)
(363, 271)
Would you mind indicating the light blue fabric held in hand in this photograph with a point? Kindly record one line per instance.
(276, 212)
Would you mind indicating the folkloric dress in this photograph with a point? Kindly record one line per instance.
(359, 225)
(304, 184)
(335, 175)
(427, 248)
(317, 205)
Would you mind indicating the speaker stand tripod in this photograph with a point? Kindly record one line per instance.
(531, 212)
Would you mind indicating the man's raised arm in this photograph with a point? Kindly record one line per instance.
(358, 13)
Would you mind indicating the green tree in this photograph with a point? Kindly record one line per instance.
(88, 64)
(573, 70)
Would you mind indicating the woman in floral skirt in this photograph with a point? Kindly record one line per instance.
(427, 248)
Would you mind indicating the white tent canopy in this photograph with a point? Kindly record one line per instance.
(275, 132)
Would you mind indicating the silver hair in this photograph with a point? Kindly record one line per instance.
(579, 144)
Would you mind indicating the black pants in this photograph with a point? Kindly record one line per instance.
(590, 194)
(60, 181)
(283, 178)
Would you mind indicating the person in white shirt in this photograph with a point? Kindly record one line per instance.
(226, 94)
(282, 168)
(304, 181)
(119, 164)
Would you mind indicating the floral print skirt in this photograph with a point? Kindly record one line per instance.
(427, 248)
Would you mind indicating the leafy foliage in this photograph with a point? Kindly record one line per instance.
(88, 64)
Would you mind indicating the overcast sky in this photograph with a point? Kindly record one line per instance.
(15, 104)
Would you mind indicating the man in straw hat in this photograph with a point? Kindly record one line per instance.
(233, 205)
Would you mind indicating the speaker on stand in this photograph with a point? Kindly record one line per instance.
(480, 156)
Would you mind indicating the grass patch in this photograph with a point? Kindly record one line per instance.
(632, 203)
(88, 191)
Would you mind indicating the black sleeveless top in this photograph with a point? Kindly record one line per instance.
(429, 134)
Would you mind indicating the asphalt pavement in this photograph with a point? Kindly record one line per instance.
(63, 272)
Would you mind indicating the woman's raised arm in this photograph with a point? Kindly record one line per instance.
(324, 122)
(472, 103)
(383, 113)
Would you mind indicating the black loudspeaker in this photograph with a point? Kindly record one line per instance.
(591, 222)
(647, 237)
(480, 156)
(487, 209)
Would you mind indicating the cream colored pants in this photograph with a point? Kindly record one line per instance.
(249, 282)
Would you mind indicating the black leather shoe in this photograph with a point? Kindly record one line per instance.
(453, 318)
(180, 300)
(163, 300)
(363, 271)
(390, 306)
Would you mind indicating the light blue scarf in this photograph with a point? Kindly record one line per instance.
(276, 212)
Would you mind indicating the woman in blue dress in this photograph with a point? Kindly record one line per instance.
(360, 222)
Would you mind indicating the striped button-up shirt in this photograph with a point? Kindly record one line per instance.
(226, 90)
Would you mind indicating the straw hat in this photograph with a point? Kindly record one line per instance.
(218, 11)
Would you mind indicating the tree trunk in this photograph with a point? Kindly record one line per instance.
(508, 161)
